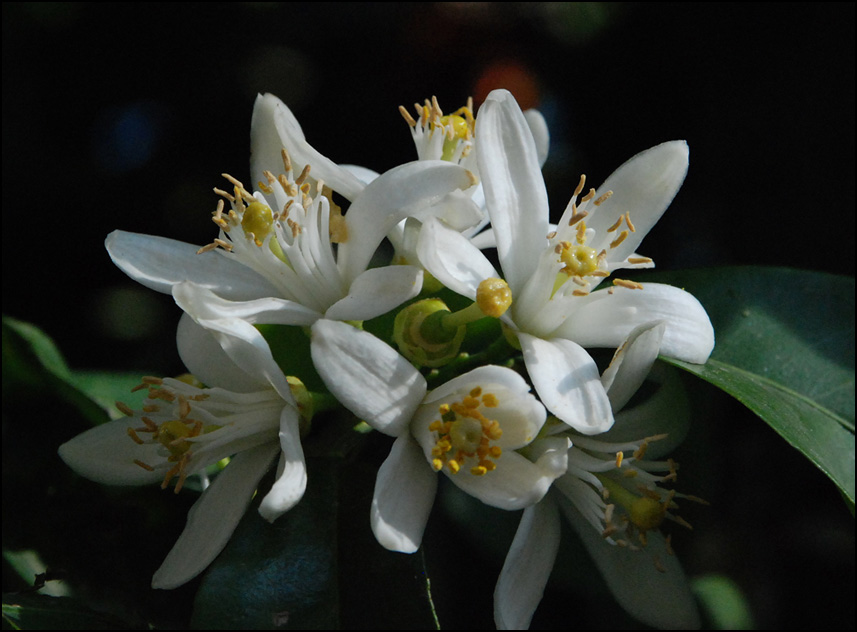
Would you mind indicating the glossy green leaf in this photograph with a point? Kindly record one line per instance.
(785, 349)
(281, 575)
(32, 361)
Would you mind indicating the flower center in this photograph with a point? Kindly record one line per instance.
(463, 433)
(172, 434)
(289, 220)
(438, 136)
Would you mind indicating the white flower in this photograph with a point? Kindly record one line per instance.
(552, 272)
(247, 412)
(470, 428)
(614, 503)
(285, 250)
(451, 137)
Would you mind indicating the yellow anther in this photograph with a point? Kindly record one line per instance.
(619, 457)
(631, 285)
(437, 464)
(478, 470)
(619, 239)
(628, 222)
(338, 227)
(493, 297)
(489, 400)
(602, 198)
(145, 466)
(453, 466)
(258, 219)
(616, 224)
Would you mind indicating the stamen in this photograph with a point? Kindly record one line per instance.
(145, 466)
(603, 198)
(125, 409)
(579, 186)
(631, 285)
(639, 260)
(628, 221)
(406, 115)
(619, 239)
(616, 225)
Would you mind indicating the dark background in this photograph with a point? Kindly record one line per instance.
(125, 115)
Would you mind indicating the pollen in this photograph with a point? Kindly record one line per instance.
(493, 297)
(464, 435)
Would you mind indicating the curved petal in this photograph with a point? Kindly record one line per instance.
(404, 493)
(527, 567)
(604, 320)
(515, 484)
(410, 190)
(666, 412)
(452, 259)
(515, 194)
(159, 263)
(659, 599)
(520, 414)
(541, 136)
(631, 363)
(643, 187)
(376, 292)
(567, 381)
(242, 342)
(367, 376)
(206, 360)
(106, 454)
(266, 311)
(273, 127)
(214, 516)
(291, 479)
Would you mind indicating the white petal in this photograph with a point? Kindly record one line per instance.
(367, 376)
(520, 414)
(604, 320)
(106, 454)
(214, 516)
(515, 195)
(527, 567)
(567, 381)
(644, 187)
(242, 342)
(266, 311)
(404, 493)
(291, 479)
(452, 259)
(667, 411)
(541, 136)
(631, 363)
(206, 360)
(273, 128)
(659, 599)
(410, 190)
(376, 292)
(159, 263)
(515, 484)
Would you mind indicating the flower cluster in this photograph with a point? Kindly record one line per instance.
(502, 395)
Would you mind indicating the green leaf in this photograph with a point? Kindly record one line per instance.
(723, 602)
(40, 612)
(32, 361)
(785, 349)
(281, 575)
